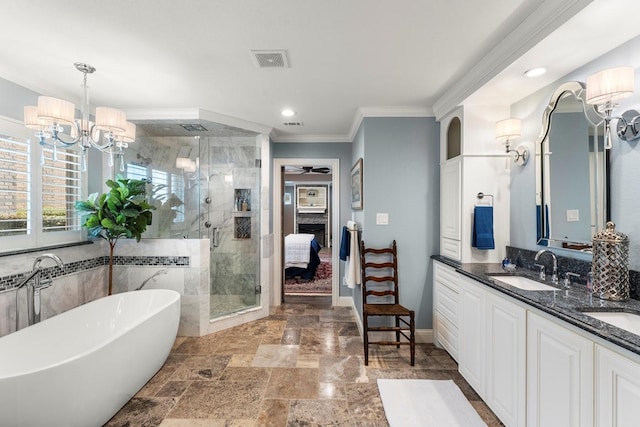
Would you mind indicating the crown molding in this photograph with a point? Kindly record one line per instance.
(361, 113)
(308, 139)
(545, 19)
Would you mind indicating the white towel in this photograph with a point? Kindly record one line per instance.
(297, 250)
(352, 266)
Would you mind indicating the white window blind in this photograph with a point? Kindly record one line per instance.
(61, 189)
(37, 201)
(15, 187)
(177, 188)
(136, 172)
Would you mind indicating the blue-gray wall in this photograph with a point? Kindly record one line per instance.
(401, 177)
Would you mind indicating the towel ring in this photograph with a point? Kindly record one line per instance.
(481, 196)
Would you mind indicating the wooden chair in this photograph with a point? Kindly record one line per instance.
(379, 269)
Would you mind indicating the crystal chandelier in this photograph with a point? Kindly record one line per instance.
(56, 126)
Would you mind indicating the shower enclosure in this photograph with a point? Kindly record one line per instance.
(205, 184)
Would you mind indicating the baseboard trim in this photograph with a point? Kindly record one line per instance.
(423, 336)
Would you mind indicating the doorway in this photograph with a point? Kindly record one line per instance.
(285, 200)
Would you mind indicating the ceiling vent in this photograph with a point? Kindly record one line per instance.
(196, 127)
(293, 124)
(270, 58)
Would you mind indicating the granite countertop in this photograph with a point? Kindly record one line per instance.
(565, 304)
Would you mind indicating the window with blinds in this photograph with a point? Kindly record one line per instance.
(15, 187)
(37, 201)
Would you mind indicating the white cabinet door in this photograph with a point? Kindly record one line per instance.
(617, 389)
(506, 359)
(559, 375)
(471, 334)
(450, 181)
(446, 297)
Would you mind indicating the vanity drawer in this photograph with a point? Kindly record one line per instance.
(447, 302)
(447, 335)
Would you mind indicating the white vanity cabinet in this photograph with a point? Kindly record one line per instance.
(471, 355)
(506, 359)
(490, 330)
(446, 308)
(617, 388)
(450, 208)
(559, 375)
(531, 368)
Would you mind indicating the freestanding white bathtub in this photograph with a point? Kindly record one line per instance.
(80, 367)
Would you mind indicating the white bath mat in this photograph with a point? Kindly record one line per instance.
(426, 403)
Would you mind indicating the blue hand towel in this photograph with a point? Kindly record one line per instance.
(483, 228)
(345, 244)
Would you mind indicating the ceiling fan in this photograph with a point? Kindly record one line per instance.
(307, 169)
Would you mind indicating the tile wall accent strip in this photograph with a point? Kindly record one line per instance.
(11, 281)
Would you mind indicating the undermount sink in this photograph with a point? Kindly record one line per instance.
(628, 321)
(523, 283)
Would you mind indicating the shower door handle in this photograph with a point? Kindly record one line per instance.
(216, 237)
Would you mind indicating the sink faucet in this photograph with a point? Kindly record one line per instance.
(554, 274)
(32, 281)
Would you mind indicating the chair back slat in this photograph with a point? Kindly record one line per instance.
(377, 271)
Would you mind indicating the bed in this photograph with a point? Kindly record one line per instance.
(301, 257)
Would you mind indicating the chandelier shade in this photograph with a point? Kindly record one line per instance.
(51, 114)
(55, 110)
(129, 134)
(31, 119)
(110, 120)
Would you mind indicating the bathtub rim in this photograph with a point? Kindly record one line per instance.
(112, 337)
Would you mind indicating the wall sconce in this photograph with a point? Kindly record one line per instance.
(606, 87)
(509, 129)
(188, 166)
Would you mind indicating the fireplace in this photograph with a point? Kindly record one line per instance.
(317, 229)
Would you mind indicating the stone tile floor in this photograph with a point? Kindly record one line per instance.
(301, 366)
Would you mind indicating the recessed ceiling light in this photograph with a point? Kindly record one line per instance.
(288, 113)
(535, 72)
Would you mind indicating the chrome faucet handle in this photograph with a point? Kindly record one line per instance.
(541, 274)
(567, 278)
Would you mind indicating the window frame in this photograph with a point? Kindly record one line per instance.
(37, 238)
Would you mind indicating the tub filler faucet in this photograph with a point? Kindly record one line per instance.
(34, 285)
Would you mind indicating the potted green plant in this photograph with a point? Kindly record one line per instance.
(123, 212)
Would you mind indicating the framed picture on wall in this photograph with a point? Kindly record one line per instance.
(356, 185)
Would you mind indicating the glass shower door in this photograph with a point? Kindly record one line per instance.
(231, 220)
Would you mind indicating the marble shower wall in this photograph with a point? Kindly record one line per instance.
(177, 213)
(187, 272)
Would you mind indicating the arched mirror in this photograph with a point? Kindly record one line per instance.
(571, 171)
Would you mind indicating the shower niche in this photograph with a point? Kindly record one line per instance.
(242, 213)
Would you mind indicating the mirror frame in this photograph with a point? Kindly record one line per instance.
(578, 90)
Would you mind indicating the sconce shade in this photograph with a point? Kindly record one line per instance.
(54, 110)
(610, 85)
(110, 119)
(183, 163)
(508, 129)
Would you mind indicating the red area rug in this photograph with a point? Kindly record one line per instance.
(321, 283)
